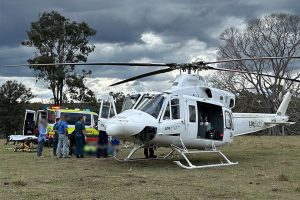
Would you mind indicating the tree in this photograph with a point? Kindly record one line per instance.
(272, 35)
(77, 89)
(58, 40)
(14, 97)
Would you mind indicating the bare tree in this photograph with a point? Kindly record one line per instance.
(272, 35)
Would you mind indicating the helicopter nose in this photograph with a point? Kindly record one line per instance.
(129, 123)
(123, 130)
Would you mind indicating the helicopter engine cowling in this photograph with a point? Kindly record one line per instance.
(132, 124)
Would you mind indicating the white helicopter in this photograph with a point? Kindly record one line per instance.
(191, 115)
(190, 118)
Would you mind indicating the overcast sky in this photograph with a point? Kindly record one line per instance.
(131, 30)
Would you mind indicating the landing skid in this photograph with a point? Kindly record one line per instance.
(189, 165)
(182, 151)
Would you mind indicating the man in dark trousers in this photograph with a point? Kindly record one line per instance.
(72, 145)
(102, 144)
(80, 137)
(149, 152)
(55, 138)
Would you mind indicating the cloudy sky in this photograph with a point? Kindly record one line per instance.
(131, 30)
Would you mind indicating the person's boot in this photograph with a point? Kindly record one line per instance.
(146, 153)
(151, 150)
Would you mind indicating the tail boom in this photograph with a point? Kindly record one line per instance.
(246, 123)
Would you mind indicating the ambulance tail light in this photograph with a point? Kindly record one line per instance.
(55, 107)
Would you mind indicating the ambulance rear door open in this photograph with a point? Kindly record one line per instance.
(41, 114)
(29, 122)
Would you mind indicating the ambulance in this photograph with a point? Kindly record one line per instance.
(32, 119)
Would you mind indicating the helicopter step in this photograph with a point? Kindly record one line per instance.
(189, 165)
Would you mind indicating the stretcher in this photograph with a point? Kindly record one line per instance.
(24, 143)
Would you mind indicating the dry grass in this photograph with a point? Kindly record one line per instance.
(268, 169)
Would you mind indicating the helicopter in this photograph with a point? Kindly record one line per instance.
(189, 118)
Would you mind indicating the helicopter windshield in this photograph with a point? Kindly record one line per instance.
(130, 101)
(145, 98)
(152, 105)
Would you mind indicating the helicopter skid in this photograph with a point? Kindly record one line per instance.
(183, 153)
(189, 165)
(138, 159)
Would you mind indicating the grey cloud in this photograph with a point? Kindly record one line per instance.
(123, 22)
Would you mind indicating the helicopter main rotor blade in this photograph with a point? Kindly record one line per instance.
(153, 64)
(97, 63)
(254, 58)
(254, 73)
(161, 71)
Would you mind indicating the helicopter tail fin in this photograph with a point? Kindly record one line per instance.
(284, 104)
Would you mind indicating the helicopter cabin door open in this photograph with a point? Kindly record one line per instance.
(210, 121)
(107, 110)
(192, 119)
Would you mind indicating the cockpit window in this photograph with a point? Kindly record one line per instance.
(153, 105)
(112, 112)
(167, 114)
(107, 110)
(172, 110)
(175, 109)
(130, 101)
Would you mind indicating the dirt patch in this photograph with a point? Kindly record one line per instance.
(6, 183)
(282, 177)
(19, 183)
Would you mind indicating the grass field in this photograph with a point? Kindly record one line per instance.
(269, 168)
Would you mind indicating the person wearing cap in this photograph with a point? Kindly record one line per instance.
(80, 136)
